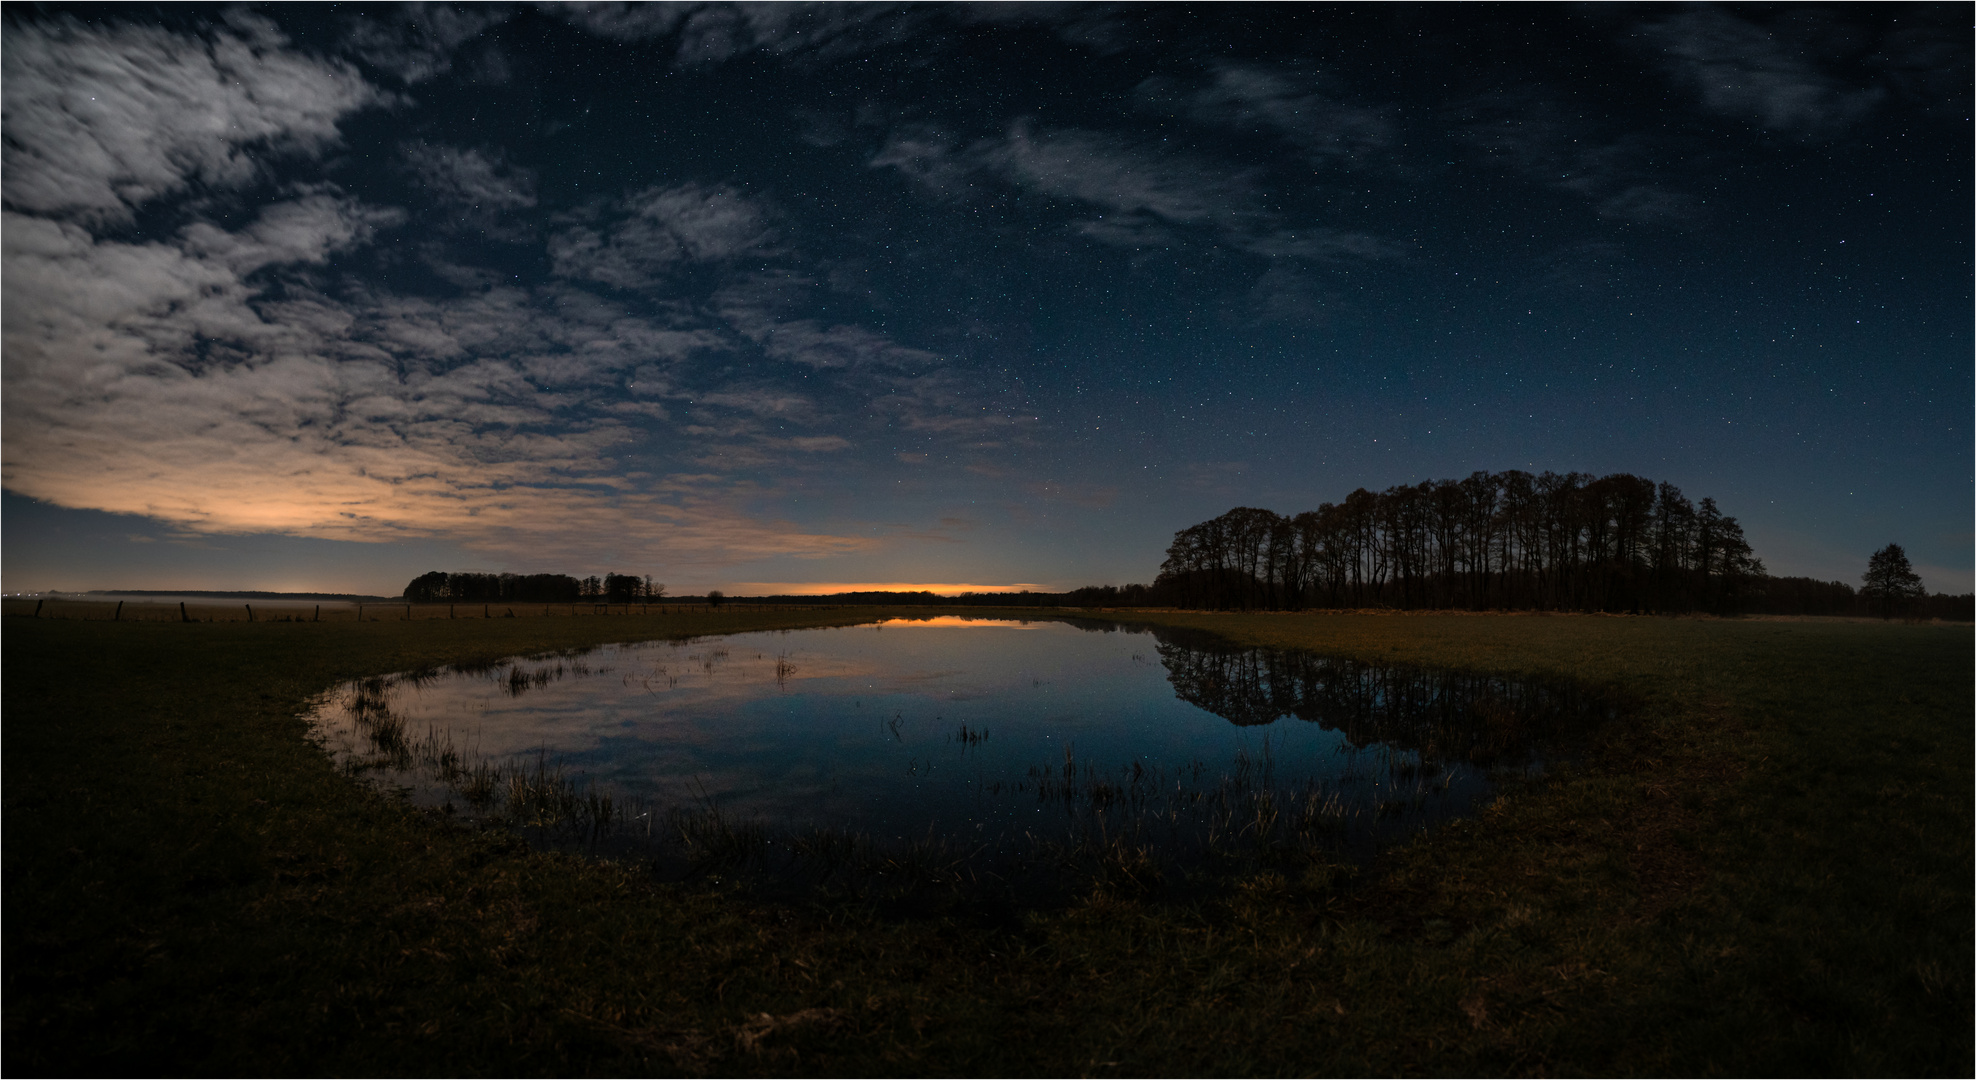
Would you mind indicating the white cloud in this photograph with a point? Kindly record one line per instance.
(100, 121)
(228, 378)
(154, 379)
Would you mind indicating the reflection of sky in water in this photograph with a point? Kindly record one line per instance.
(861, 727)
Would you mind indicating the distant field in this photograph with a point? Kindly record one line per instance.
(286, 610)
(1765, 869)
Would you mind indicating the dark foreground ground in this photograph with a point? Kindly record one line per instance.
(1765, 869)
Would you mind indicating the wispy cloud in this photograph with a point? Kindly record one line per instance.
(1554, 146)
(713, 33)
(653, 232)
(217, 379)
(1324, 128)
(1740, 69)
(417, 41)
(170, 377)
(103, 121)
(473, 178)
(1145, 197)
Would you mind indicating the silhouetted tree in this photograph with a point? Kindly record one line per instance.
(427, 588)
(1502, 540)
(492, 588)
(1891, 583)
(621, 588)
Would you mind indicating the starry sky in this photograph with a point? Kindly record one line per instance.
(792, 298)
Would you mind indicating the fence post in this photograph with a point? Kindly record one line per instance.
(360, 613)
(408, 613)
(318, 617)
(182, 616)
(250, 611)
(118, 617)
(37, 606)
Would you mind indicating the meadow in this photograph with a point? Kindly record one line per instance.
(1764, 868)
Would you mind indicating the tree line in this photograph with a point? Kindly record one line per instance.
(441, 587)
(1508, 540)
(1549, 541)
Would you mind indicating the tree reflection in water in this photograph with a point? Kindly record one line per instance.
(1132, 783)
(1438, 715)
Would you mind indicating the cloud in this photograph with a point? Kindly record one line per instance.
(1287, 296)
(654, 231)
(1924, 57)
(710, 34)
(1553, 146)
(1148, 198)
(1649, 204)
(157, 379)
(1322, 244)
(1107, 171)
(416, 41)
(472, 177)
(1095, 168)
(1105, 29)
(305, 230)
(227, 371)
(927, 156)
(808, 342)
(1286, 104)
(102, 121)
(1741, 70)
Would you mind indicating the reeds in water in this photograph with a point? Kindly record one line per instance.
(1133, 829)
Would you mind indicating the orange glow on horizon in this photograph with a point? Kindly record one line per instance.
(825, 588)
(963, 621)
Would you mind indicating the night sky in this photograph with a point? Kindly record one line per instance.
(790, 298)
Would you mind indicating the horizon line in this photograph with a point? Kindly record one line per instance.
(828, 588)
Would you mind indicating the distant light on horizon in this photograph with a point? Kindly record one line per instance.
(827, 588)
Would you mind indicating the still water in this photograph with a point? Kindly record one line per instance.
(965, 731)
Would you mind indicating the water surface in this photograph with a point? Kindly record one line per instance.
(968, 731)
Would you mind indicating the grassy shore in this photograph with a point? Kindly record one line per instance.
(1765, 869)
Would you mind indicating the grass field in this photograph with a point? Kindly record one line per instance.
(1765, 869)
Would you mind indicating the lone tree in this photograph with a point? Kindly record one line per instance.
(1890, 582)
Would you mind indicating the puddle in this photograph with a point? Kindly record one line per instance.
(964, 747)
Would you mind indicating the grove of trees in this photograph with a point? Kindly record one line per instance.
(1557, 541)
(441, 587)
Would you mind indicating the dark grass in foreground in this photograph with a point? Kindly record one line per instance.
(1766, 869)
